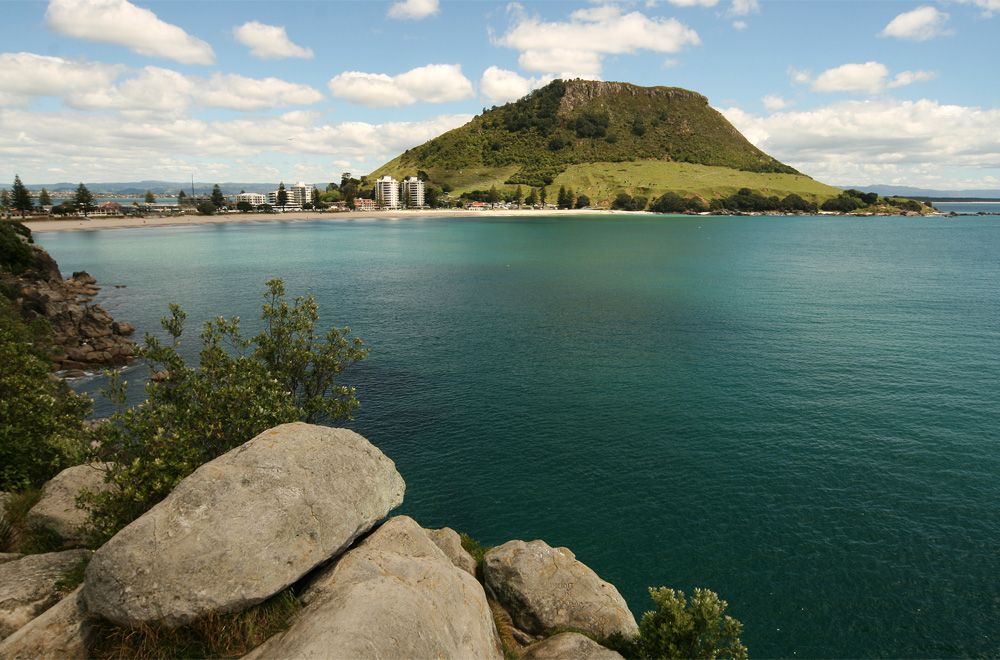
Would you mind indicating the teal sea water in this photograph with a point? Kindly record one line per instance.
(798, 413)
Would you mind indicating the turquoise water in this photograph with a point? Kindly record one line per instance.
(798, 413)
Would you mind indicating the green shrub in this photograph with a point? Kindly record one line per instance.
(41, 419)
(15, 253)
(241, 388)
(678, 629)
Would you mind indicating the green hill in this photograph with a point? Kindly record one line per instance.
(601, 138)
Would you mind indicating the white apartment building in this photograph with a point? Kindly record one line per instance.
(298, 195)
(387, 190)
(254, 199)
(413, 192)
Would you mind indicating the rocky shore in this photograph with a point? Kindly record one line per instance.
(85, 336)
(305, 507)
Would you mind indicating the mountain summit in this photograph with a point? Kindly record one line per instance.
(575, 131)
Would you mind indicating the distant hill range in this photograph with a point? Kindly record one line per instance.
(973, 195)
(601, 138)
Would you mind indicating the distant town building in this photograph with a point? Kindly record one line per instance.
(298, 195)
(363, 204)
(254, 199)
(387, 191)
(413, 192)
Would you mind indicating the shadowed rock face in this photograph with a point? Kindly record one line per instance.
(27, 586)
(244, 526)
(396, 595)
(57, 509)
(544, 588)
(63, 631)
(582, 92)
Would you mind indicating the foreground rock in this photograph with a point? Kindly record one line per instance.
(396, 595)
(569, 646)
(63, 631)
(244, 526)
(544, 588)
(451, 545)
(57, 511)
(27, 586)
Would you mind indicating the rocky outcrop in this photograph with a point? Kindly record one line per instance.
(544, 588)
(396, 595)
(56, 509)
(61, 632)
(582, 92)
(569, 646)
(451, 545)
(244, 526)
(85, 336)
(27, 586)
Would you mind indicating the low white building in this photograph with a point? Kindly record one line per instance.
(387, 192)
(254, 199)
(413, 192)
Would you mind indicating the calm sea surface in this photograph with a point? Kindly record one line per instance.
(798, 413)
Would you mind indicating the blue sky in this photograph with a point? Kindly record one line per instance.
(851, 92)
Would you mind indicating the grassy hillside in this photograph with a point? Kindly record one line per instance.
(601, 138)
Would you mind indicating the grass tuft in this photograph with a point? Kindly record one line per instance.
(14, 533)
(213, 636)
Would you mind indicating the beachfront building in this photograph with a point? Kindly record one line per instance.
(298, 195)
(364, 204)
(254, 199)
(387, 192)
(413, 192)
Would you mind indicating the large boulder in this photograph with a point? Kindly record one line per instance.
(27, 586)
(396, 595)
(451, 545)
(569, 646)
(62, 631)
(244, 526)
(544, 588)
(57, 509)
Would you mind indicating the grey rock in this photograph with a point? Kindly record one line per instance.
(57, 507)
(451, 544)
(396, 595)
(244, 526)
(544, 588)
(569, 646)
(9, 556)
(27, 586)
(62, 631)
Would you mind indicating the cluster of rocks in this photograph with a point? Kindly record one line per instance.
(85, 335)
(300, 506)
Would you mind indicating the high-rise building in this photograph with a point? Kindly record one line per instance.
(387, 192)
(413, 192)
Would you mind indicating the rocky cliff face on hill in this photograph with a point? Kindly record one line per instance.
(85, 336)
(302, 506)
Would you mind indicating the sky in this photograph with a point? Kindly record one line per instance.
(850, 92)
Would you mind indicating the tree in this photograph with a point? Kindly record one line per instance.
(41, 419)
(4, 200)
(16, 254)
(282, 196)
(669, 202)
(44, 199)
(205, 208)
(561, 199)
(623, 201)
(316, 202)
(218, 199)
(20, 197)
(181, 197)
(244, 207)
(84, 200)
(493, 196)
(150, 197)
(582, 202)
(518, 195)
(241, 388)
(532, 198)
(541, 195)
(431, 196)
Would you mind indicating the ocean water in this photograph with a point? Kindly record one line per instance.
(800, 414)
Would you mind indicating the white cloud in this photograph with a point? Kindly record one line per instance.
(989, 7)
(744, 8)
(921, 24)
(867, 78)
(740, 25)
(269, 42)
(121, 23)
(152, 89)
(693, 3)
(500, 85)
(115, 147)
(578, 46)
(434, 83)
(837, 142)
(773, 102)
(236, 92)
(414, 9)
(27, 75)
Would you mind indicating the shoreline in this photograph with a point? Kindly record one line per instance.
(134, 222)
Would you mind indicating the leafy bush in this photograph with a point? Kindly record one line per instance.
(41, 431)
(241, 388)
(678, 629)
(206, 208)
(15, 253)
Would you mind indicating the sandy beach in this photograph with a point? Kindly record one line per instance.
(133, 222)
